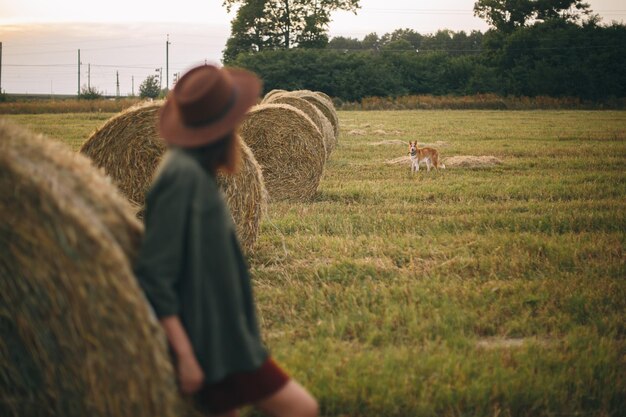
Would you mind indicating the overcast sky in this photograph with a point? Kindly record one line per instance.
(40, 38)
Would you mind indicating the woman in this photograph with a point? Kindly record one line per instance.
(191, 266)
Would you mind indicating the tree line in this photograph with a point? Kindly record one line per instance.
(533, 47)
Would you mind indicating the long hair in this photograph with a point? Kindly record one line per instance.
(223, 155)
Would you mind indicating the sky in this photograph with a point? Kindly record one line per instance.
(126, 39)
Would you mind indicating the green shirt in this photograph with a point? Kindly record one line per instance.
(191, 265)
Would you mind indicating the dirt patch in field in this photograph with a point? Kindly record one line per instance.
(471, 161)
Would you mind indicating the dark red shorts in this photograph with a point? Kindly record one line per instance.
(242, 388)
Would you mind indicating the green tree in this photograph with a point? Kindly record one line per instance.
(371, 41)
(398, 45)
(409, 35)
(507, 15)
(280, 24)
(149, 88)
(345, 44)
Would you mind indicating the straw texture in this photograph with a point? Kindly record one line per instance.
(246, 196)
(129, 150)
(76, 335)
(289, 148)
(319, 120)
(324, 105)
(271, 93)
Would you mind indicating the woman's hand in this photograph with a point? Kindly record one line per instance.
(190, 375)
(189, 372)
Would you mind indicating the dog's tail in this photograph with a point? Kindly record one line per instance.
(436, 161)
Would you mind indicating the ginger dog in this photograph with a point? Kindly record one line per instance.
(428, 155)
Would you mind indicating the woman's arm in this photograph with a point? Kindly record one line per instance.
(190, 375)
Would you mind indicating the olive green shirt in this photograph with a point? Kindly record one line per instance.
(191, 265)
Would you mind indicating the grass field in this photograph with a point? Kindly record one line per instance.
(497, 291)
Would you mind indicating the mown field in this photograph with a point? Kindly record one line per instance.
(494, 291)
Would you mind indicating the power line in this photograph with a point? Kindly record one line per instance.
(39, 65)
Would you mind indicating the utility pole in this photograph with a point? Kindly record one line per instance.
(167, 62)
(132, 79)
(0, 67)
(89, 77)
(117, 83)
(78, 73)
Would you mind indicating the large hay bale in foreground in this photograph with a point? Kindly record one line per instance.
(129, 150)
(85, 180)
(76, 335)
(289, 148)
(321, 122)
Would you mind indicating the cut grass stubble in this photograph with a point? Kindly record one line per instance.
(381, 293)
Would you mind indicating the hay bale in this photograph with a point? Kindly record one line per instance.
(471, 161)
(246, 197)
(129, 150)
(271, 93)
(325, 97)
(289, 149)
(319, 120)
(325, 106)
(76, 335)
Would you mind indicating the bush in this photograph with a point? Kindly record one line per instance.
(90, 93)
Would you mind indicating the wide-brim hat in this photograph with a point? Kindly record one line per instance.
(207, 104)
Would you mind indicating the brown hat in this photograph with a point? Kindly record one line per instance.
(206, 104)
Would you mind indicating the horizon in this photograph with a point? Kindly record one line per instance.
(41, 57)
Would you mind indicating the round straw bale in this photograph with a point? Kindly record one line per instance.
(76, 335)
(272, 93)
(129, 150)
(288, 147)
(325, 106)
(318, 118)
(246, 196)
(325, 96)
